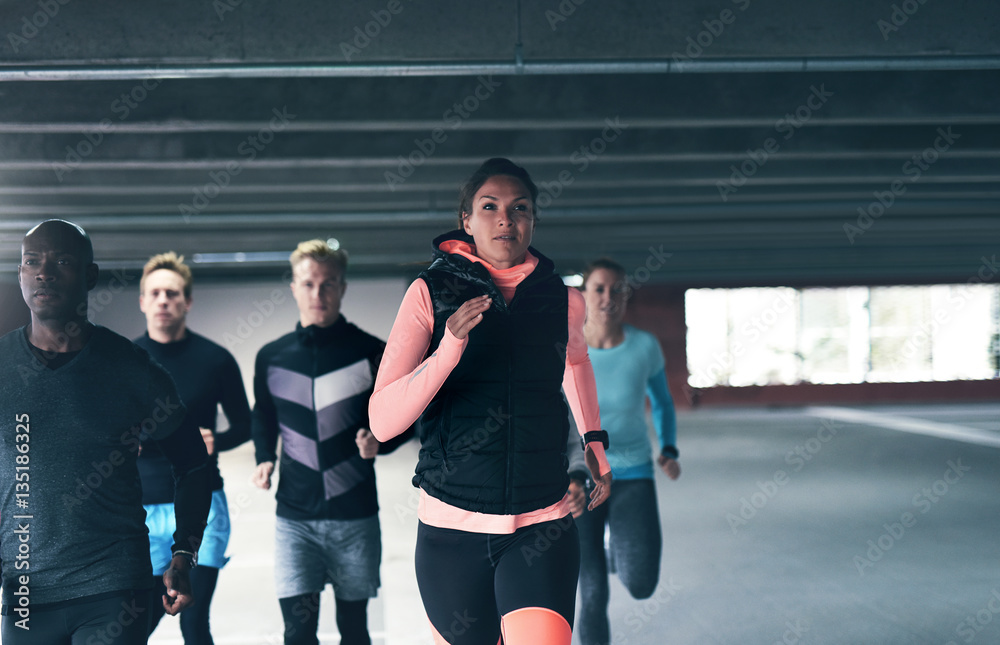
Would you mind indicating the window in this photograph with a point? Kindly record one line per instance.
(761, 336)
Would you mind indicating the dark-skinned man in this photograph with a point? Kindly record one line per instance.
(76, 400)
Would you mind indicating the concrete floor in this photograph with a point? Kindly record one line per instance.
(813, 525)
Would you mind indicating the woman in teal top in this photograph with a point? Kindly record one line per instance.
(628, 367)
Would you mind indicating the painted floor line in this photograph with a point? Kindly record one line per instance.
(908, 424)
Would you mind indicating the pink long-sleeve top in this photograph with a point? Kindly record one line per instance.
(407, 382)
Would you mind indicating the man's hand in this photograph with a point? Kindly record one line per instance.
(177, 580)
(262, 476)
(367, 443)
(602, 484)
(577, 497)
(669, 466)
(209, 438)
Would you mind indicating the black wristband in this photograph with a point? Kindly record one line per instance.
(594, 435)
(670, 452)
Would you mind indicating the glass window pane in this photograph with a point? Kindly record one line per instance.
(760, 336)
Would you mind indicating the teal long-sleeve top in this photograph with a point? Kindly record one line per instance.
(626, 374)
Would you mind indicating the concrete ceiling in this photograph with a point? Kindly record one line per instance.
(732, 142)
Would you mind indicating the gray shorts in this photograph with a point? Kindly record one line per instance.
(345, 553)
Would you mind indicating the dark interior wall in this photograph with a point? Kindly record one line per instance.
(13, 312)
(660, 310)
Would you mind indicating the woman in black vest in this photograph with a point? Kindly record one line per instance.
(483, 345)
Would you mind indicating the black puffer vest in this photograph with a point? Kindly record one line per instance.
(493, 439)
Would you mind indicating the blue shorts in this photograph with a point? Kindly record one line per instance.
(161, 523)
(345, 553)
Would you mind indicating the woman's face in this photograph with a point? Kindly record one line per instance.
(501, 222)
(605, 293)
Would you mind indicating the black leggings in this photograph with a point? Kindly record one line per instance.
(301, 616)
(468, 581)
(632, 516)
(111, 619)
(194, 619)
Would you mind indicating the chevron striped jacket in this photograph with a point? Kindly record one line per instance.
(312, 388)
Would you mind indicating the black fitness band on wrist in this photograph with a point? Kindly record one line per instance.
(594, 435)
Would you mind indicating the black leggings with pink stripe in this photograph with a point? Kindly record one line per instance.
(475, 586)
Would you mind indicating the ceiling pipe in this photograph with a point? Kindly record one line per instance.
(517, 67)
(12, 228)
